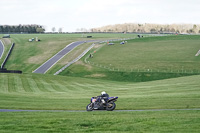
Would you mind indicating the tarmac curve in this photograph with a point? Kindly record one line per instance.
(18, 110)
(53, 60)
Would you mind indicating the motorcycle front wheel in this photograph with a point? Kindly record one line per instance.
(89, 107)
(110, 106)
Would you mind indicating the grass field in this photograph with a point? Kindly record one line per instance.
(137, 122)
(72, 93)
(169, 88)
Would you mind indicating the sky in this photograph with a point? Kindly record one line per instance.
(76, 14)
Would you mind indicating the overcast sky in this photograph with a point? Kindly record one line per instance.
(74, 14)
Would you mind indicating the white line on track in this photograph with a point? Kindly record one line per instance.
(2, 50)
(18, 110)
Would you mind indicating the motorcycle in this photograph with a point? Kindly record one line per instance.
(97, 104)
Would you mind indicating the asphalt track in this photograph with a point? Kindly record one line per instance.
(17, 110)
(1, 49)
(48, 64)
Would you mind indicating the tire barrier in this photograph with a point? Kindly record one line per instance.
(10, 71)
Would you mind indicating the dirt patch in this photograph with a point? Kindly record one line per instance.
(89, 67)
(6, 41)
(47, 51)
(97, 46)
(71, 56)
(96, 75)
(39, 59)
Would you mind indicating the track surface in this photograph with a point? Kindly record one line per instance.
(48, 64)
(15, 110)
(1, 49)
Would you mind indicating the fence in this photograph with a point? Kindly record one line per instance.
(120, 69)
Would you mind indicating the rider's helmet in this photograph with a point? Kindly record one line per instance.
(103, 93)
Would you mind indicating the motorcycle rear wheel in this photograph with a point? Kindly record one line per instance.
(89, 107)
(109, 107)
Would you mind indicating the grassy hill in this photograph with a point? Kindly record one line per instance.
(27, 56)
(154, 53)
(142, 59)
(109, 65)
(38, 91)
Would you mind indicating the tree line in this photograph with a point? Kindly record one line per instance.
(150, 28)
(22, 28)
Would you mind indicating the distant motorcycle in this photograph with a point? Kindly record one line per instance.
(97, 104)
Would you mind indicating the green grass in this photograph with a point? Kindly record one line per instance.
(72, 93)
(147, 121)
(159, 53)
(174, 90)
(47, 92)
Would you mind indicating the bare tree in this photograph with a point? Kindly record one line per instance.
(147, 27)
(60, 30)
(53, 29)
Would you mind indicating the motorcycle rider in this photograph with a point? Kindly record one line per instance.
(104, 97)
